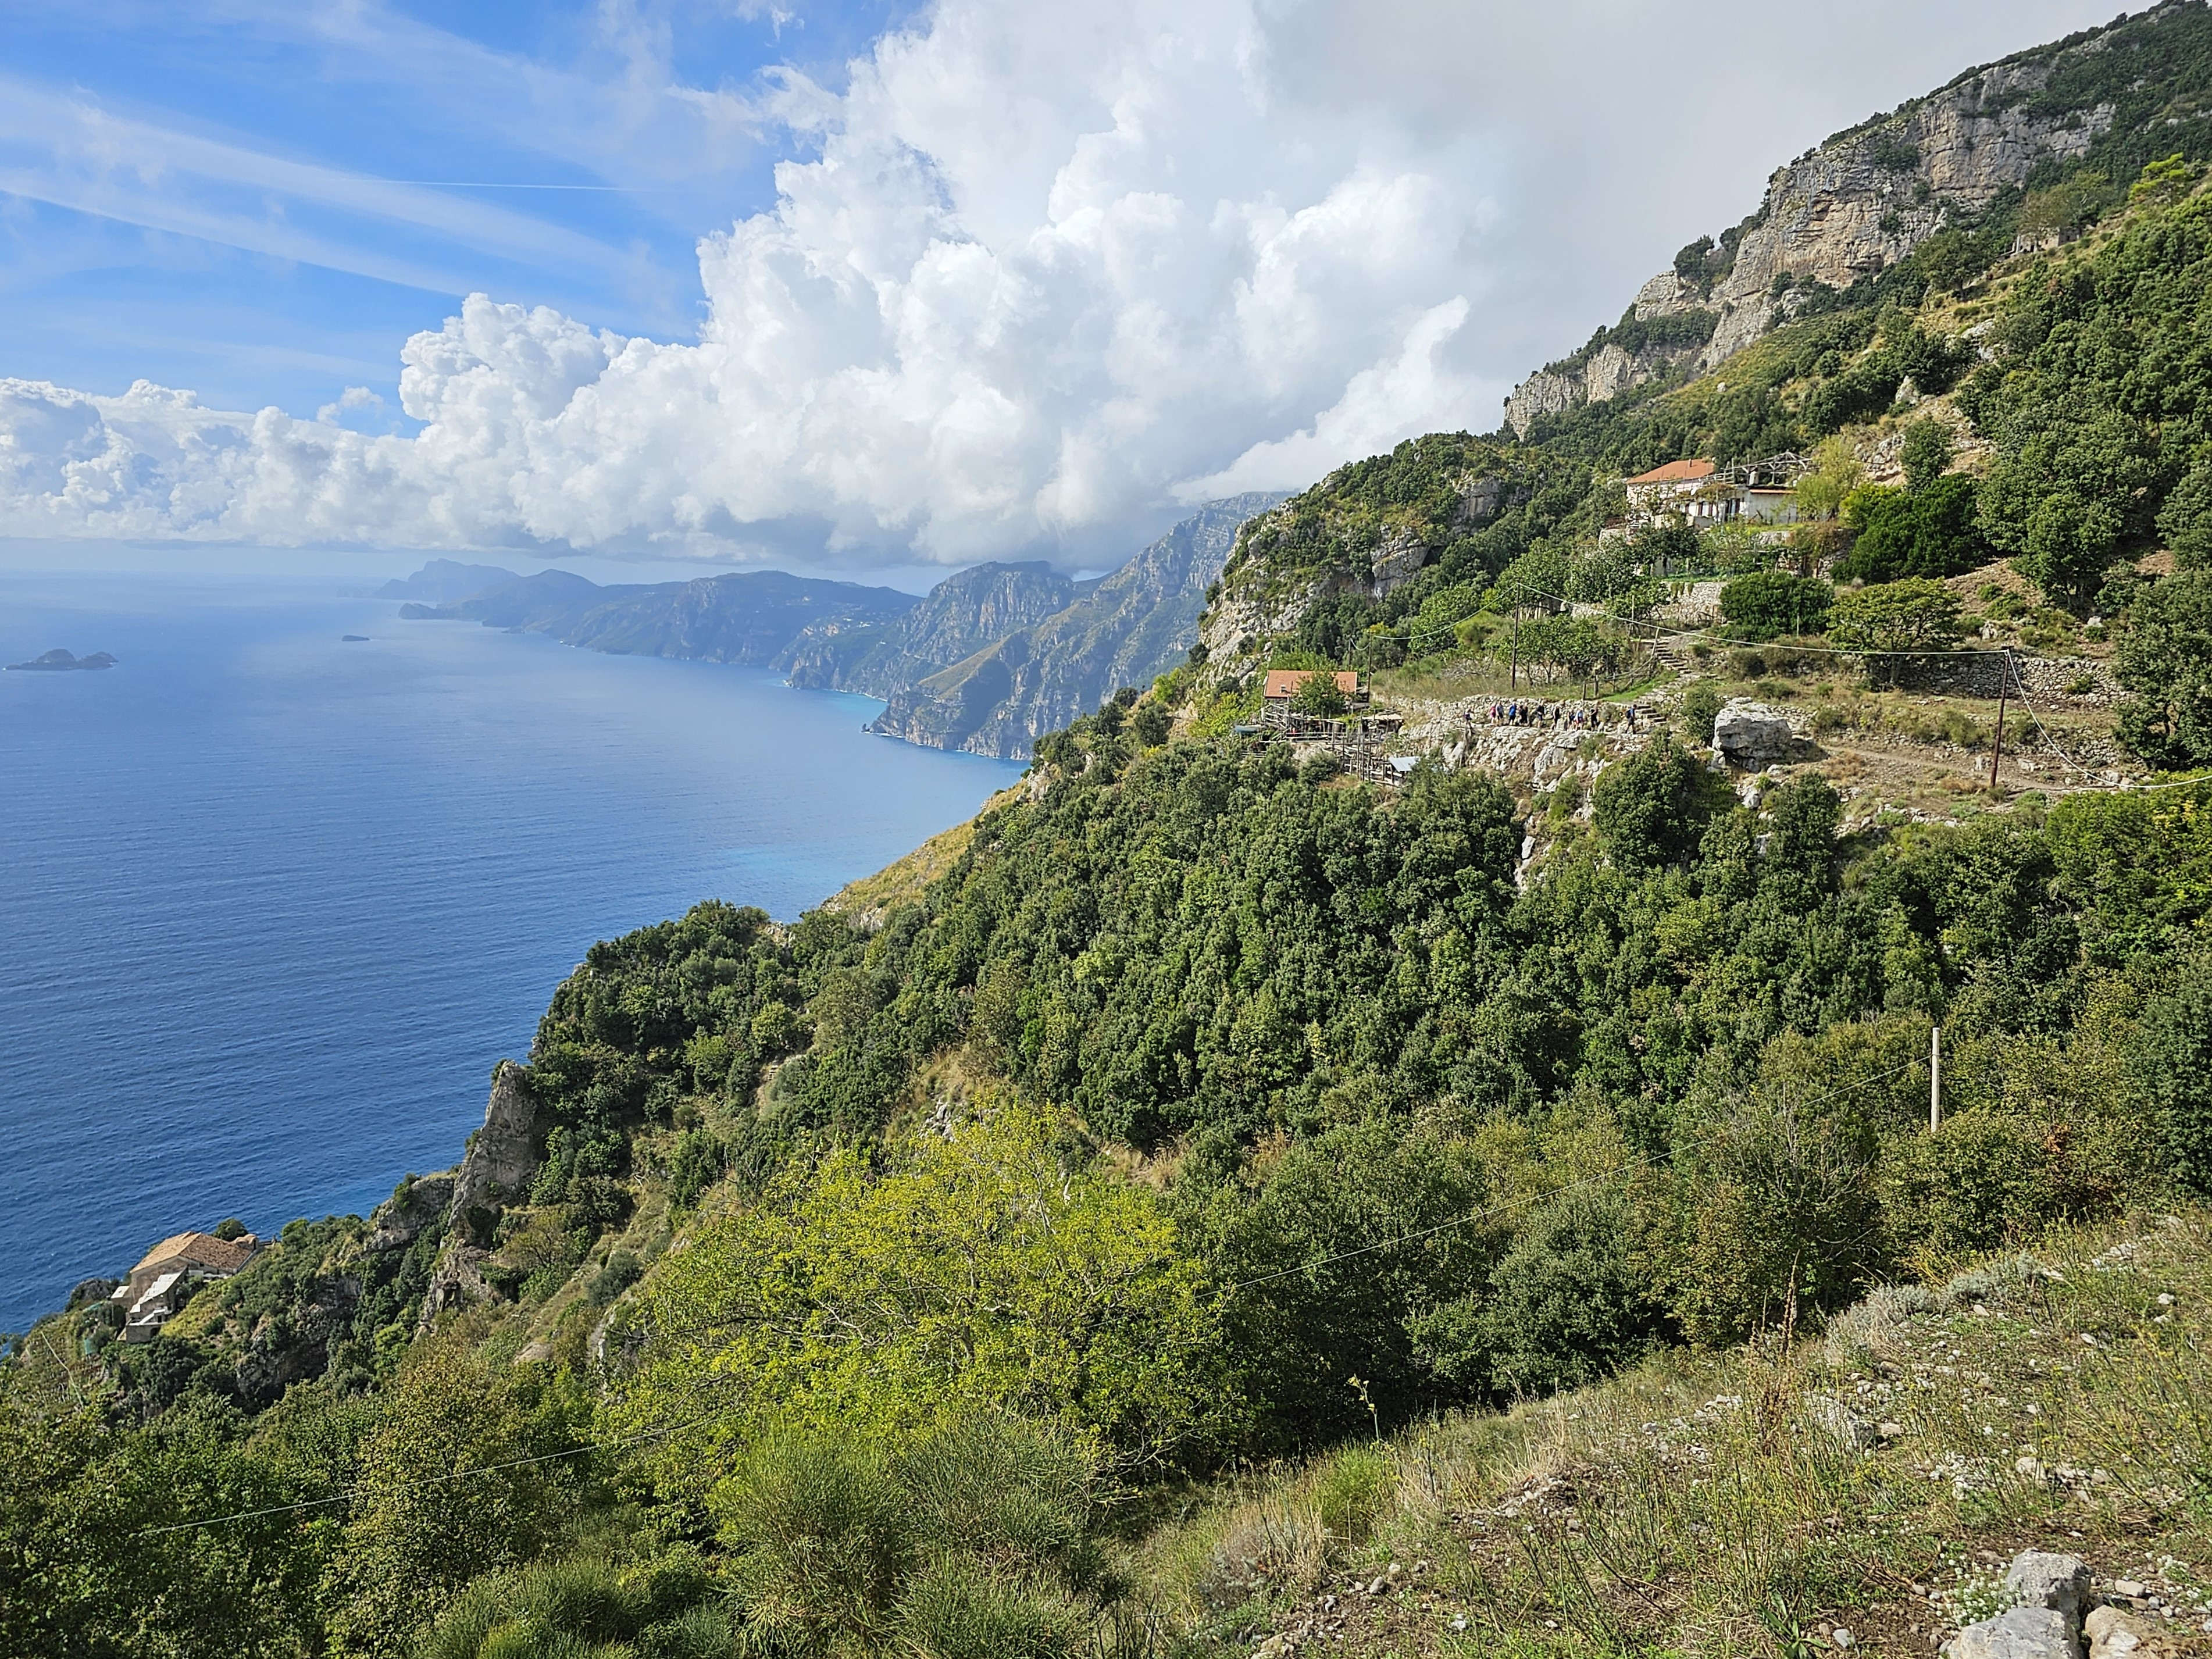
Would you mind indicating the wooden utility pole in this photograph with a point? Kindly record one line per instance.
(2004, 685)
(1513, 654)
(1934, 1079)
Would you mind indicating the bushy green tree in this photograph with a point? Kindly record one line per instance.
(448, 1488)
(1319, 696)
(2174, 1065)
(978, 1272)
(1928, 531)
(1924, 452)
(1767, 604)
(1652, 808)
(1917, 614)
(2166, 666)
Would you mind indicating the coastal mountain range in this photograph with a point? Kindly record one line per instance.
(986, 662)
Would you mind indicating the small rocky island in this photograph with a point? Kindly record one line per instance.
(353, 639)
(56, 660)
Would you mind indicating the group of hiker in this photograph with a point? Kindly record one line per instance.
(1516, 711)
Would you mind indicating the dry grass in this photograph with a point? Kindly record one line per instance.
(905, 881)
(1873, 1480)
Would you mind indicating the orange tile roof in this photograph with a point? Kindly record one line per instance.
(1285, 681)
(1675, 472)
(201, 1250)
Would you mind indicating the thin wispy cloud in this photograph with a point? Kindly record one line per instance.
(72, 152)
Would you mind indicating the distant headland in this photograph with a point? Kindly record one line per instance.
(56, 660)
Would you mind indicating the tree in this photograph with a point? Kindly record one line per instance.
(1637, 600)
(1152, 723)
(2066, 488)
(423, 1522)
(978, 1272)
(1925, 452)
(1652, 807)
(1927, 530)
(2174, 1063)
(1319, 696)
(2166, 665)
(2165, 180)
(1538, 576)
(1767, 604)
(1665, 545)
(1820, 494)
(2185, 520)
(1915, 614)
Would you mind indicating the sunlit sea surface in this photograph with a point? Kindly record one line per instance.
(273, 904)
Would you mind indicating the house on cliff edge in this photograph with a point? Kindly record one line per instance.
(158, 1286)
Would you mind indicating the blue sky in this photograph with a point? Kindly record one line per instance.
(884, 285)
(191, 196)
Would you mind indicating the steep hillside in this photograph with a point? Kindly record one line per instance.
(991, 658)
(2006, 155)
(1133, 626)
(962, 615)
(759, 618)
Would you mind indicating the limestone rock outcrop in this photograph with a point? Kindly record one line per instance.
(1850, 208)
(1751, 734)
(421, 1203)
(493, 1172)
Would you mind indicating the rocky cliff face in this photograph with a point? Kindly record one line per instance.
(494, 1171)
(1136, 624)
(1858, 205)
(961, 616)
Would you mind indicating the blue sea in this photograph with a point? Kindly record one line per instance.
(273, 904)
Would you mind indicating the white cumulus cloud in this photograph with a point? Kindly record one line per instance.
(1034, 268)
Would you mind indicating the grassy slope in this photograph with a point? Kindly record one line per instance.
(1876, 1479)
(905, 881)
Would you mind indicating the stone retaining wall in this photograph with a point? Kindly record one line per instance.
(2057, 682)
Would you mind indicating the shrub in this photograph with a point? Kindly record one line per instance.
(1980, 1179)
(621, 1272)
(1568, 1303)
(2174, 1064)
(824, 1535)
(954, 1609)
(1701, 707)
(1351, 1490)
(1017, 1492)
(1767, 604)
